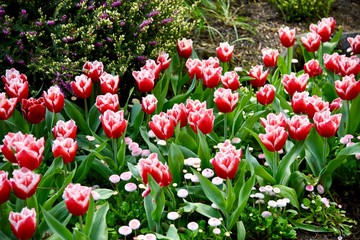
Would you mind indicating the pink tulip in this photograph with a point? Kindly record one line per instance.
(274, 139)
(259, 76)
(149, 103)
(313, 68)
(211, 76)
(287, 36)
(273, 119)
(224, 51)
(299, 127)
(326, 124)
(7, 106)
(311, 41)
(315, 104)
(66, 148)
(54, 99)
(77, 199)
(33, 110)
(225, 100)
(107, 102)
(113, 123)
(231, 80)
(151, 65)
(93, 70)
(294, 84)
(270, 57)
(178, 114)
(82, 86)
(348, 88)
(266, 94)
(5, 187)
(349, 66)
(335, 104)
(30, 154)
(13, 142)
(145, 80)
(194, 68)
(109, 83)
(354, 44)
(299, 102)
(24, 182)
(162, 125)
(164, 60)
(23, 224)
(184, 47)
(65, 129)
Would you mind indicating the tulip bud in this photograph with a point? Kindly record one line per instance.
(54, 99)
(24, 182)
(77, 199)
(113, 123)
(266, 94)
(65, 129)
(7, 106)
(5, 187)
(224, 51)
(33, 109)
(184, 47)
(23, 224)
(82, 86)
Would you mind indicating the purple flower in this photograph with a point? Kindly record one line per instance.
(90, 7)
(38, 23)
(50, 22)
(98, 44)
(6, 31)
(122, 23)
(23, 12)
(104, 16)
(22, 62)
(145, 23)
(9, 59)
(167, 20)
(116, 4)
(2, 12)
(64, 18)
(152, 43)
(64, 39)
(153, 13)
(141, 58)
(109, 39)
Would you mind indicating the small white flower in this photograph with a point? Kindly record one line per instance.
(114, 178)
(325, 201)
(133, 145)
(151, 134)
(188, 176)
(207, 172)
(261, 201)
(128, 140)
(130, 187)
(214, 222)
(125, 176)
(281, 203)
(194, 179)
(217, 180)
(95, 195)
(125, 230)
(161, 142)
(265, 214)
(173, 215)
(182, 193)
(259, 195)
(235, 140)
(304, 207)
(134, 224)
(145, 152)
(214, 206)
(90, 138)
(276, 190)
(193, 226)
(262, 189)
(272, 204)
(150, 236)
(216, 231)
(192, 162)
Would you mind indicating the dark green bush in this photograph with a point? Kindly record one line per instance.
(295, 10)
(50, 41)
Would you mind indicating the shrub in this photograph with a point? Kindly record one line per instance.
(295, 10)
(53, 41)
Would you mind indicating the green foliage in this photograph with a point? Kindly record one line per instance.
(51, 41)
(296, 10)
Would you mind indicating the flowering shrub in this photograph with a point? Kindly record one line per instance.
(183, 161)
(51, 42)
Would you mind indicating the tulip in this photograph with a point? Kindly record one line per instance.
(326, 124)
(331, 62)
(11, 74)
(54, 99)
(13, 142)
(258, 75)
(93, 70)
(158, 171)
(273, 119)
(23, 224)
(266, 94)
(224, 51)
(65, 129)
(315, 104)
(335, 104)
(5, 187)
(299, 127)
(294, 84)
(77, 198)
(162, 125)
(31, 154)
(194, 68)
(329, 21)
(313, 68)
(184, 47)
(66, 148)
(82, 86)
(225, 100)
(33, 109)
(7, 106)
(178, 114)
(202, 120)
(194, 105)
(226, 161)
(270, 57)
(211, 62)
(148, 103)
(16, 84)
(311, 41)
(287, 36)
(164, 60)
(231, 80)
(211, 76)
(151, 65)
(274, 139)
(145, 80)
(348, 88)
(299, 102)
(354, 44)
(323, 29)
(24, 182)
(349, 66)
(107, 102)
(109, 83)
(113, 123)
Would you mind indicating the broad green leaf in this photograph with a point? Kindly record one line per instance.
(180, 98)
(94, 120)
(289, 193)
(260, 170)
(76, 113)
(314, 152)
(105, 193)
(99, 230)
(249, 123)
(211, 191)
(230, 195)
(241, 231)
(137, 117)
(84, 167)
(296, 181)
(152, 147)
(284, 172)
(172, 233)
(77, 235)
(157, 194)
(89, 217)
(185, 139)
(354, 120)
(3, 236)
(328, 47)
(308, 227)
(102, 169)
(201, 208)
(55, 226)
(176, 162)
(203, 150)
(187, 152)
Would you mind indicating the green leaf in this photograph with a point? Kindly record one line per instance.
(241, 231)
(172, 233)
(260, 170)
(3, 236)
(203, 150)
(76, 113)
(89, 217)
(211, 191)
(314, 148)
(77, 235)
(137, 117)
(308, 227)
(94, 120)
(249, 123)
(84, 167)
(328, 47)
(289, 193)
(102, 169)
(354, 120)
(105, 193)
(185, 139)
(201, 208)
(180, 98)
(56, 226)
(176, 162)
(152, 147)
(99, 230)
(283, 174)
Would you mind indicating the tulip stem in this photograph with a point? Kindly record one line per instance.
(324, 152)
(81, 224)
(53, 120)
(275, 163)
(114, 143)
(347, 117)
(65, 170)
(86, 109)
(225, 125)
(290, 52)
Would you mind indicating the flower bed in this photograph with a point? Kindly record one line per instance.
(208, 152)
